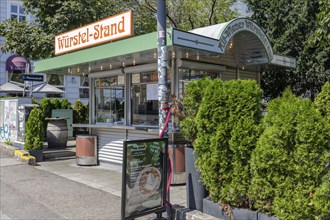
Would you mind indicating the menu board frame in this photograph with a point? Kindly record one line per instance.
(148, 160)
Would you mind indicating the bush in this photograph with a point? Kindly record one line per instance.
(34, 130)
(322, 101)
(290, 158)
(80, 112)
(56, 103)
(228, 125)
(65, 104)
(80, 115)
(9, 143)
(46, 107)
(193, 96)
(321, 198)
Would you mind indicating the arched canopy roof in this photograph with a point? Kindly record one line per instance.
(237, 43)
(248, 42)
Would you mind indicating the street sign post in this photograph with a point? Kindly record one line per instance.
(32, 77)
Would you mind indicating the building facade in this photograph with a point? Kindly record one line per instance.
(74, 87)
(14, 65)
(10, 9)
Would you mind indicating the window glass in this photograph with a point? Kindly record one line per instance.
(13, 17)
(186, 75)
(16, 76)
(17, 12)
(84, 81)
(109, 101)
(83, 93)
(145, 98)
(21, 10)
(56, 79)
(14, 9)
(21, 18)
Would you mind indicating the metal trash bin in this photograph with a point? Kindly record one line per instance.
(86, 150)
(176, 154)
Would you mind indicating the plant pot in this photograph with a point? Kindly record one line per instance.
(57, 132)
(214, 209)
(194, 188)
(38, 154)
(176, 156)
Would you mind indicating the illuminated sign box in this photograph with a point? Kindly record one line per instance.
(107, 29)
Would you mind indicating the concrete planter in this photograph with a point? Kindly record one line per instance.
(195, 190)
(216, 210)
(38, 154)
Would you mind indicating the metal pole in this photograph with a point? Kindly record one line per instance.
(162, 66)
(162, 71)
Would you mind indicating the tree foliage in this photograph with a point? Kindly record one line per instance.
(290, 25)
(321, 35)
(25, 38)
(35, 39)
(190, 14)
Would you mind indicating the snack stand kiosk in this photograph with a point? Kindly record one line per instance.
(122, 75)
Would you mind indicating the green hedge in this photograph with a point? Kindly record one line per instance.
(80, 112)
(279, 164)
(228, 125)
(290, 159)
(193, 95)
(322, 101)
(47, 105)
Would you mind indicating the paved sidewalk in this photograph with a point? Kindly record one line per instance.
(106, 177)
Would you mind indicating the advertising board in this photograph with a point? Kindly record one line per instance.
(144, 177)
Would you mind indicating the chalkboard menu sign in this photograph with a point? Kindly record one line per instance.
(144, 177)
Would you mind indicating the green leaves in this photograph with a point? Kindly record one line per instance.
(228, 125)
(322, 101)
(190, 14)
(80, 112)
(295, 29)
(34, 129)
(25, 38)
(36, 40)
(193, 97)
(290, 159)
(277, 165)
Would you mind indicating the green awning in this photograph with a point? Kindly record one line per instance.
(114, 49)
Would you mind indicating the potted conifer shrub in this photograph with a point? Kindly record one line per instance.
(192, 99)
(80, 116)
(34, 134)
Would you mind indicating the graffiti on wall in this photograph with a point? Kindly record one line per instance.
(5, 132)
(8, 120)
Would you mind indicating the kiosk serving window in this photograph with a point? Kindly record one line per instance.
(109, 101)
(145, 98)
(186, 75)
